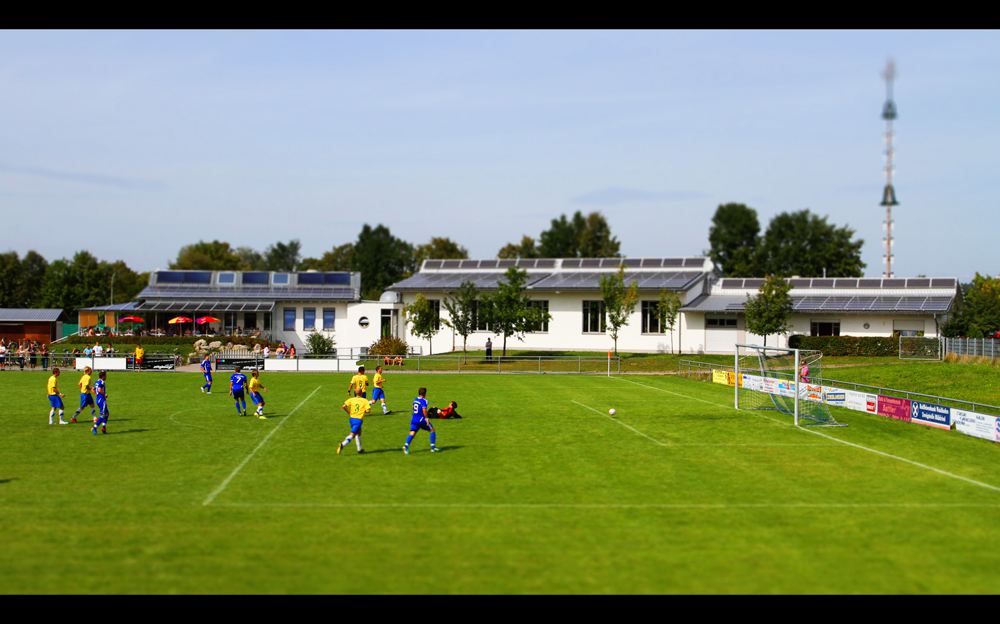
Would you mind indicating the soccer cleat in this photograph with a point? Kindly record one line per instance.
(435, 450)
(74, 419)
(261, 416)
(94, 430)
(104, 430)
(63, 422)
(203, 389)
(340, 447)
(361, 451)
(209, 392)
(406, 450)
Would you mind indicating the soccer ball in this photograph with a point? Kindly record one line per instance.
(611, 411)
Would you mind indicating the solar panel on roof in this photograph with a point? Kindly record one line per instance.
(545, 263)
(526, 264)
(918, 283)
(943, 283)
(488, 264)
(894, 283)
(571, 263)
(451, 264)
(432, 264)
(845, 283)
(652, 262)
(693, 262)
(869, 283)
(310, 278)
(632, 262)
(799, 283)
(734, 306)
(753, 283)
(822, 283)
(256, 278)
(730, 282)
(672, 262)
(504, 264)
(590, 263)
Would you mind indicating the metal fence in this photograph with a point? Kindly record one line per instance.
(538, 364)
(987, 347)
(693, 369)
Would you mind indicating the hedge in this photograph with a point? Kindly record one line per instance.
(167, 340)
(847, 345)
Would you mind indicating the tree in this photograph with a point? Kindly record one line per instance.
(423, 319)
(319, 344)
(619, 301)
(734, 238)
(462, 310)
(667, 310)
(596, 240)
(526, 249)
(562, 239)
(801, 243)
(250, 259)
(33, 268)
(202, 256)
(439, 249)
(10, 280)
(979, 313)
(382, 259)
(768, 312)
(340, 258)
(283, 256)
(508, 311)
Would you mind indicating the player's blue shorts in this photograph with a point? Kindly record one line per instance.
(356, 425)
(86, 399)
(377, 394)
(208, 377)
(420, 424)
(238, 395)
(55, 401)
(257, 398)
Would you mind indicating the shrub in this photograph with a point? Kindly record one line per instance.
(388, 345)
(847, 345)
(319, 344)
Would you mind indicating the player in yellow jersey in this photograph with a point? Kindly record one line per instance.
(255, 393)
(359, 383)
(377, 392)
(86, 398)
(356, 408)
(55, 397)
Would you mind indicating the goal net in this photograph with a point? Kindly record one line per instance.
(773, 378)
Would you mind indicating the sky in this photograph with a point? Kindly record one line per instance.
(132, 144)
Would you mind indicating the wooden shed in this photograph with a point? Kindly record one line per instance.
(44, 325)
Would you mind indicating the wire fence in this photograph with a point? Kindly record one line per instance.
(538, 364)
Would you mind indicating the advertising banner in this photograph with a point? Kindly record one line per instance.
(778, 386)
(153, 363)
(813, 393)
(976, 424)
(245, 363)
(930, 414)
(893, 407)
(834, 396)
(862, 401)
(752, 382)
(720, 377)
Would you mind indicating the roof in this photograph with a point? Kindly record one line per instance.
(251, 290)
(30, 315)
(557, 274)
(849, 305)
(118, 307)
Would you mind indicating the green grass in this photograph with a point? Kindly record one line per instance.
(538, 490)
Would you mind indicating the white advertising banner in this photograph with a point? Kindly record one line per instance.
(834, 396)
(862, 401)
(752, 382)
(812, 393)
(976, 424)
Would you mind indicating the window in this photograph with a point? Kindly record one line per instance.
(544, 325)
(436, 304)
(329, 318)
(280, 279)
(229, 322)
(227, 278)
(650, 320)
(479, 322)
(594, 318)
(309, 318)
(720, 322)
(289, 319)
(249, 320)
(267, 321)
(824, 328)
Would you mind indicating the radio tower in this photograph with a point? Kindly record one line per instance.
(889, 193)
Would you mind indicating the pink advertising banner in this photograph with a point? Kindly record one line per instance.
(893, 407)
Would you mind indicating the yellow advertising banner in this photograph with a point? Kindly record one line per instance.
(720, 377)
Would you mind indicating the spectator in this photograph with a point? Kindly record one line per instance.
(98, 350)
(489, 350)
(45, 357)
(110, 350)
(3, 354)
(87, 350)
(291, 351)
(32, 355)
(267, 351)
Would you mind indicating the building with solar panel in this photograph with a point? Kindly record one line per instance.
(711, 318)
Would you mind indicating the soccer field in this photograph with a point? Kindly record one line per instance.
(538, 490)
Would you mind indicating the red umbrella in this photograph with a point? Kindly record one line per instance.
(180, 319)
(207, 319)
(131, 319)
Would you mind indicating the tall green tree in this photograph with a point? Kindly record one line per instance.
(667, 310)
(526, 249)
(802, 243)
(619, 301)
(382, 259)
(978, 312)
(462, 310)
(734, 237)
(508, 311)
(596, 240)
(340, 258)
(250, 259)
(562, 239)
(768, 312)
(283, 256)
(423, 319)
(10, 280)
(33, 268)
(203, 256)
(439, 249)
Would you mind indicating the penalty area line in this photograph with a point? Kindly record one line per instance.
(219, 490)
(829, 437)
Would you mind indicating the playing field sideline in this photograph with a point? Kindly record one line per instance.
(538, 490)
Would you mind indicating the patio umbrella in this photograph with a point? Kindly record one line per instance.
(180, 319)
(131, 319)
(206, 319)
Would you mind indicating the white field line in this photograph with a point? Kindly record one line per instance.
(694, 443)
(617, 505)
(828, 437)
(620, 423)
(218, 490)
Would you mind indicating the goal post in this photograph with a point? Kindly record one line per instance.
(781, 379)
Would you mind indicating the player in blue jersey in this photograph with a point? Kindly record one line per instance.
(418, 421)
(101, 390)
(206, 367)
(236, 384)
